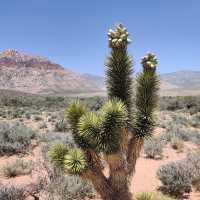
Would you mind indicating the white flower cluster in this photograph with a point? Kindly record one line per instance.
(149, 61)
(119, 37)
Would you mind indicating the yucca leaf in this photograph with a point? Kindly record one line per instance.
(114, 116)
(74, 113)
(89, 128)
(58, 152)
(75, 161)
(146, 97)
(119, 68)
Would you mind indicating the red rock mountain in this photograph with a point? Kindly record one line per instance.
(34, 74)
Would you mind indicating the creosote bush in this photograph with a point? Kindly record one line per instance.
(115, 133)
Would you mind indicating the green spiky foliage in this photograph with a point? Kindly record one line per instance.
(146, 96)
(114, 133)
(119, 67)
(89, 128)
(74, 112)
(113, 120)
(75, 161)
(58, 152)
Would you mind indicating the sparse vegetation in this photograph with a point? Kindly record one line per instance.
(153, 148)
(176, 178)
(11, 192)
(61, 125)
(15, 138)
(177, 144)
(16, 168)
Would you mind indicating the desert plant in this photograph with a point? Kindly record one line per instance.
(195, 120)
(177, 144)
(53, 182)
(153, 148)
(12, 193)
(37, 118)
(145, 196)
(15, 138)
(61, 125)
(193, 160)
(16, 168)
(117, 131)
(176, 177)
(152, 196)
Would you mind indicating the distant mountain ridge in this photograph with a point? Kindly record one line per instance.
(183, 79)
(34, 74)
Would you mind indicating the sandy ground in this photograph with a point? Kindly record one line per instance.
(143, 181)
(145, 178)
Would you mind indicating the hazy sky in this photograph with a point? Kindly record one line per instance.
(73, 32)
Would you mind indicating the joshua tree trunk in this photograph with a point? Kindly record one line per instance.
(115, 134)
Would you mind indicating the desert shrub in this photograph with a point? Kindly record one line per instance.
(37, 118)
(193, 160)
(15, 138)
(153, 148)
(178, 131)
(56, 184)
(187, 103)
(42, 125)
(152, 196)
(61, 125)
(195, 120)
(11, 193)
(177, 144)
(27, 115)
(65, 187)
(181, 133)
(16, 168)
(52, 138)
(196, 184)
(95, 103)
(176, 177)
(180, 119)
(194, 136)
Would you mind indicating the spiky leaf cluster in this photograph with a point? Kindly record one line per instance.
(102, 131)
(74, 113)
(58, 152)
(89, 128)
(119, 70)
(149, 61)
(114, 116)
(118, 38)
(75, 161)
(146, 97)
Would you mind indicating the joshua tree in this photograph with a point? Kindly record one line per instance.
(109, 140)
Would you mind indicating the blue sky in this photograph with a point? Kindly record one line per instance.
(73, 32)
